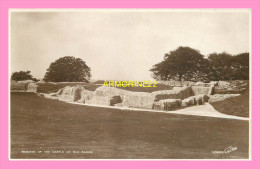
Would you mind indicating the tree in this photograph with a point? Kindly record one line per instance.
(22, 75)
(221, 66)
(240, 65)
(184, 63)
(68, 69)
(225, 66)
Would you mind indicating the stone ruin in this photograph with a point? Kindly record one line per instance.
(23, 86)
(111, 96)
(188, 94)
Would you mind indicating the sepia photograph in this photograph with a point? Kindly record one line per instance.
(133, 84)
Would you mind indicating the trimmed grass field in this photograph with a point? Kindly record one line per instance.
(40, 124)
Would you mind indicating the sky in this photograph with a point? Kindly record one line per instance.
(121, 44)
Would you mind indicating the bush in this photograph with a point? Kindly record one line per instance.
(22, 75)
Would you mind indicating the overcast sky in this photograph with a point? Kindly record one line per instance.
(121, 45)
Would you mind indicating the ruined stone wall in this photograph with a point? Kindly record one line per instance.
(200, 90)
(180, 93)
(177, 83)
(138, 100)
(104, 96)
(195, 94)
(23, 86)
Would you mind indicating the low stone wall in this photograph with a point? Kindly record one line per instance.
(218, 87)
(195, 100)
(106, 96)
(110, 96)
(20, 85)
(168, 104)
(177, 83)
(68, 94)
(180, 93)
(196, 90)
(71, 94)
(85, 96)
(32, 87)
(231, 86)
(109, 91)
(147, 100)
(220, 97)
(138, 100)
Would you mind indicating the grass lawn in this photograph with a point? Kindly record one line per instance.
(40, 124)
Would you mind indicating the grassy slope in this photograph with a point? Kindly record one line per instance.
(43, 124)
(51, 88)
(238, 106)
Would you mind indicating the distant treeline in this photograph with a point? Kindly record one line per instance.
(189, 64)
(183, 64)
